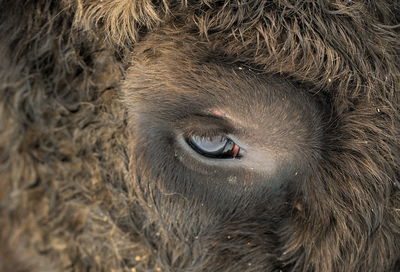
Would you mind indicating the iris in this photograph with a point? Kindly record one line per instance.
(219, 147)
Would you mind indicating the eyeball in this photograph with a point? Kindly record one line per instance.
(219, 147)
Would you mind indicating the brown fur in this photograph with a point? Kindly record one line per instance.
(69, 197)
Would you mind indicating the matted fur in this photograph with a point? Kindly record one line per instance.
(68, 200)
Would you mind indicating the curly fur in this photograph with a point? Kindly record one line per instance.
(68, 200)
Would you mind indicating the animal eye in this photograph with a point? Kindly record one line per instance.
(220, 147)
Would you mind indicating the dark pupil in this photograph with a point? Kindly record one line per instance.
(214, 147)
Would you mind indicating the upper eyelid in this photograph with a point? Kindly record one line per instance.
(206, 133)
(211, 116)
(206, 125)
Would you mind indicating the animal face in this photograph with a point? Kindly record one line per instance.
(190, 136)
(218, 132)
(220, 151)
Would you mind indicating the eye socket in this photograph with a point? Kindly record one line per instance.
(220, 147)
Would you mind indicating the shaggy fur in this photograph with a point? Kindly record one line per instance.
(71, 194)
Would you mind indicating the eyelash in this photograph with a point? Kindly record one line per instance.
(208, 134)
